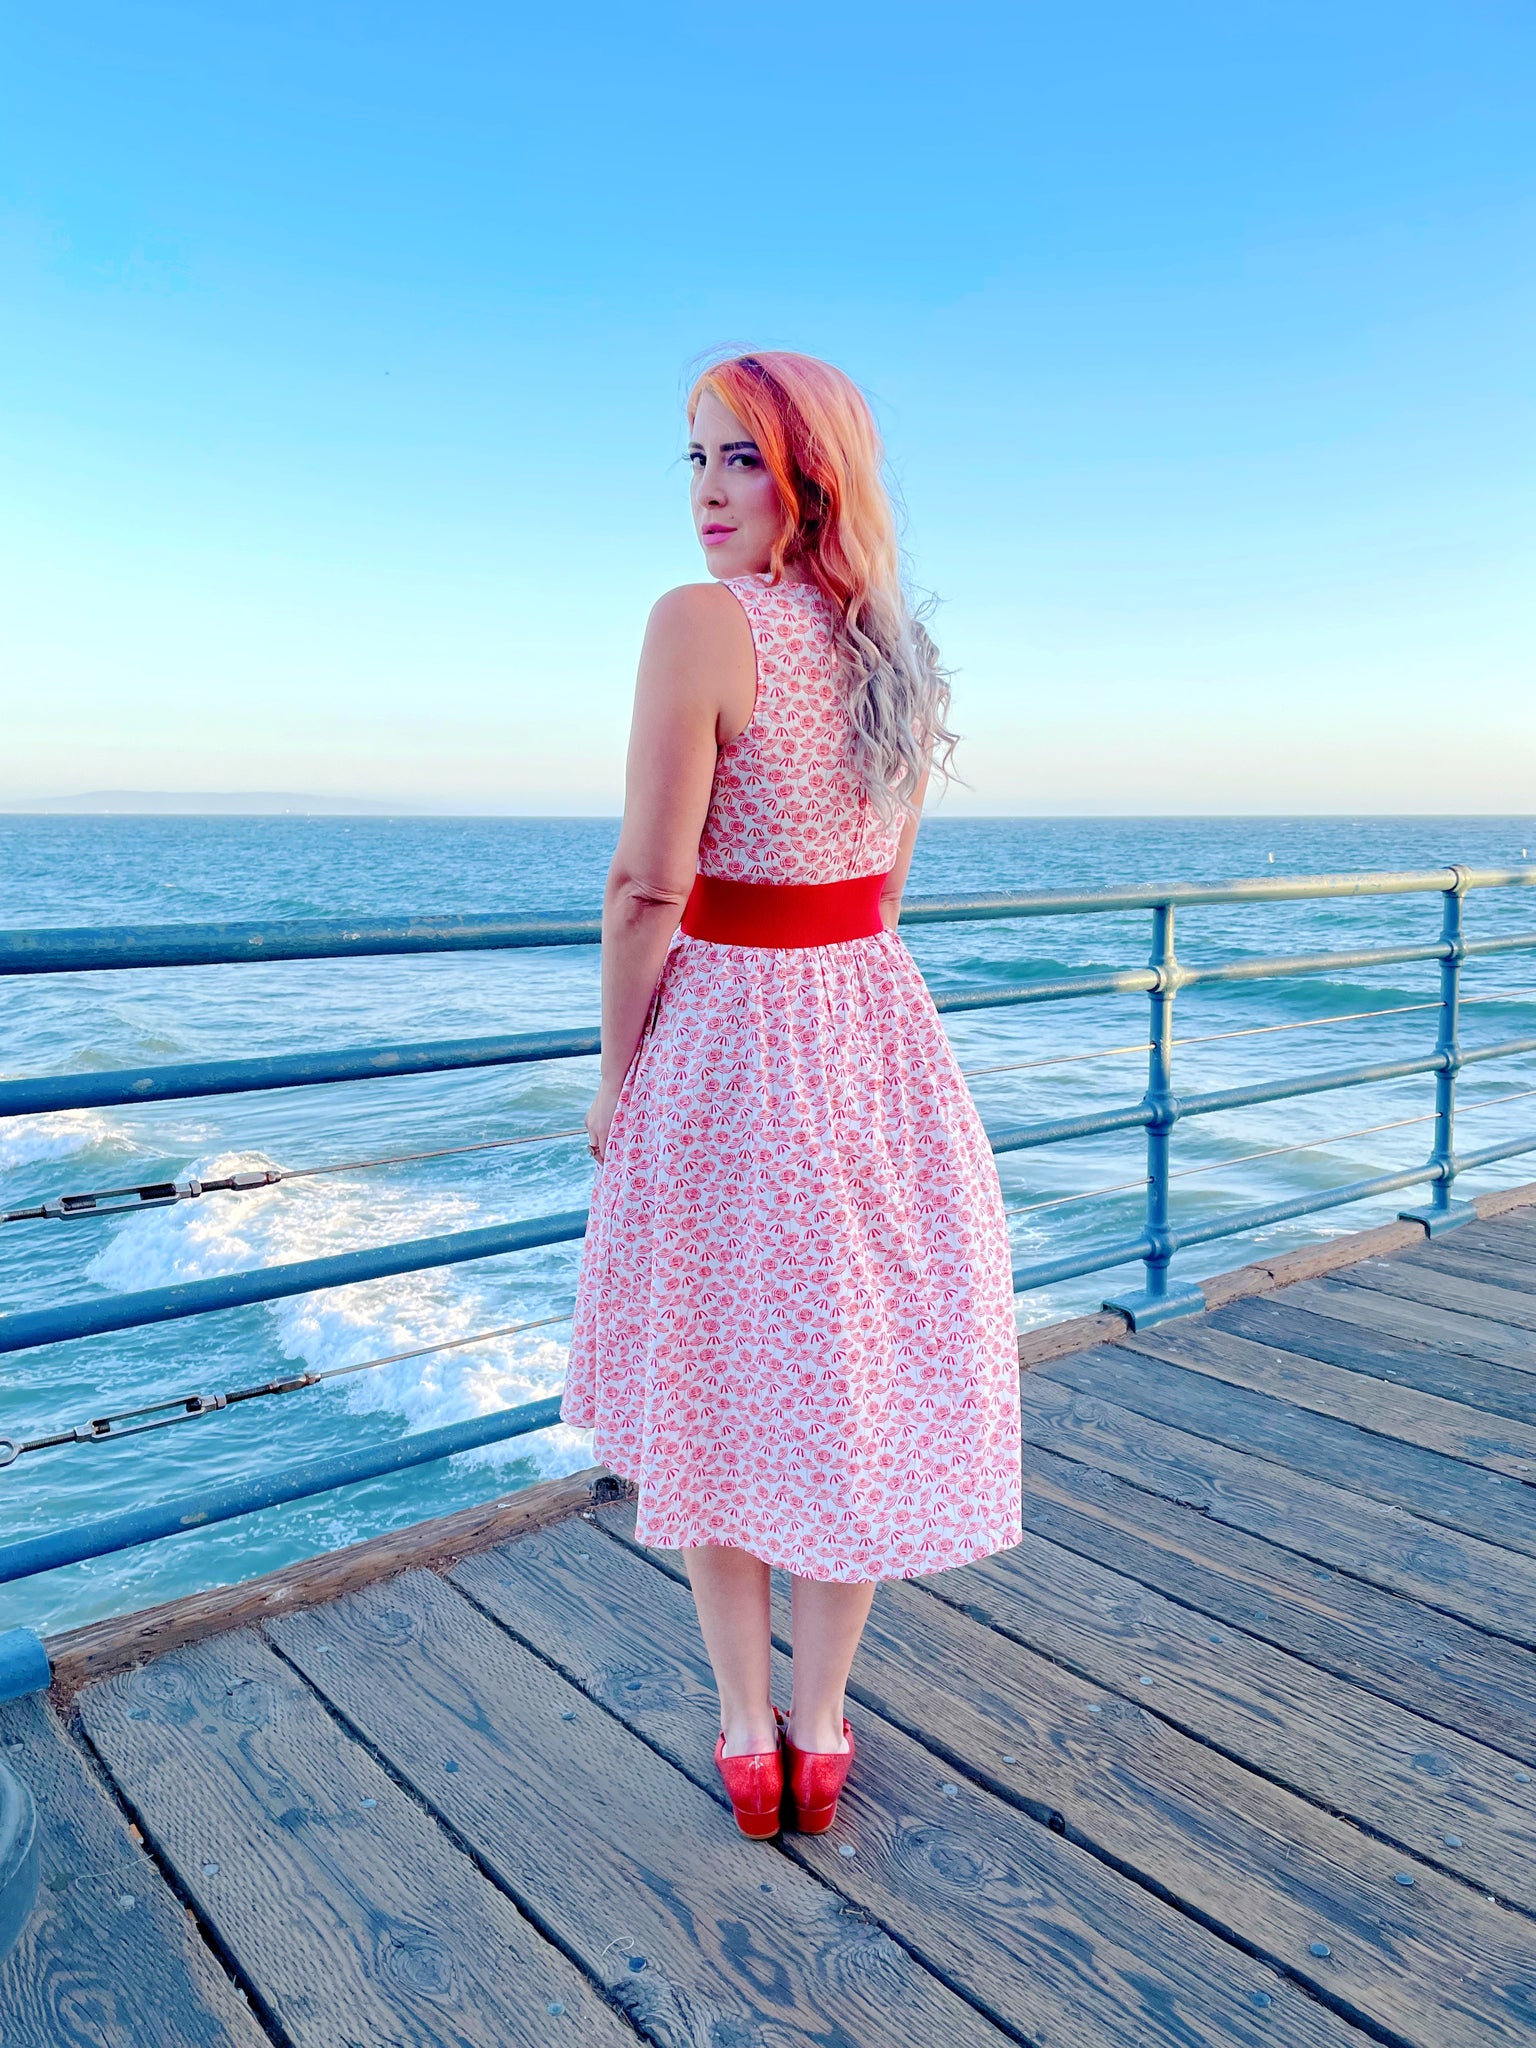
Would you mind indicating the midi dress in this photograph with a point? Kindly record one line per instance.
(794, 1325)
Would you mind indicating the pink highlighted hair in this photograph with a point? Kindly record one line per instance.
(818, 439)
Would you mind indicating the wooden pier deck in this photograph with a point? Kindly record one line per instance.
(1238, 1746)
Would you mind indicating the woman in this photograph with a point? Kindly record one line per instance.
(794, 1326)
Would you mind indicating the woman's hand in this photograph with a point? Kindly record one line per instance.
(600, 1116)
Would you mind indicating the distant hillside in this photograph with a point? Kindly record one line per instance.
(205, 803)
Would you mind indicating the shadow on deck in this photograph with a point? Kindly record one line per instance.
(1238, 1746)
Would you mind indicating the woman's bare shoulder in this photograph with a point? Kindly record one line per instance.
(699, 619)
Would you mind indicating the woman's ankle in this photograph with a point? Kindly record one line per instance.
(817, 1733)
(751, 1732)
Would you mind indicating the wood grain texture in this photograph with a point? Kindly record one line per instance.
(1471, 1260)
(108, 1958)
(1450, 1428)
(1504, 1201)
(1380, 1315)
(82, 1655)
(1078, 1333)
(1249, 1857)
(1453, 1377)
(1263, 1276)
(1511, 1237)
(351, 1917)
(1437, 1489)
(1497, 1305)
(1057, 1947)
(1440, 1668)
(1478, 1583)
(1413, 1783)
(631, 1867)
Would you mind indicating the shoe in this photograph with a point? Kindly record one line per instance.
(755, 1784)
(814, 1780)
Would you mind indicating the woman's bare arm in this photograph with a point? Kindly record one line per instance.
(896, 880)
(696, 664)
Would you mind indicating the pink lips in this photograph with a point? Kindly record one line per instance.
(713, 535)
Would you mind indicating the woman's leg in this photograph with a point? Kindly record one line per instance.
(828, 1619)
(730, 1590)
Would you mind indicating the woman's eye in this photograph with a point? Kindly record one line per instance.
(746, 461)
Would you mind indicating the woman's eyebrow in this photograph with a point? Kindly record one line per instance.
(738, 447)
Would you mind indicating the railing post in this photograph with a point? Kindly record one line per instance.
(1442, 1213)
(1157, 1303)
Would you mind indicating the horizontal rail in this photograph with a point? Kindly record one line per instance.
(52, 950)
(1076, 1265)
(1259, 1217)
(29, 1328)
(133, 1526)
(1100, 1258)
(1490, 1154)
(1249, 889)
(189, 1078)
(88, 949)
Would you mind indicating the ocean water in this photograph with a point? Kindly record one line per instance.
(89, 871)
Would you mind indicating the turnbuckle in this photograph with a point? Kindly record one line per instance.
(160, 1194)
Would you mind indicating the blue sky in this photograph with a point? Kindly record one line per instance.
(342, 351)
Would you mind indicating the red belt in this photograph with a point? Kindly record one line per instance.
(783, 913)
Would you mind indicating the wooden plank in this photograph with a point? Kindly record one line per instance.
(1436, 1666)
(1450, 1428)
(1246, 1856)
(1055, 1946)
(1436, 1794)
(1503, 1201)
(1512, 1237)
(1439, 1490)
(350, 1916)
(1490, 1588)
(698, 1934)
(1454, 1377)
(1381, 1315)
(82, 1655)
(109, 1958)
(1494, 1268)
(1307, 1261)
(1078, 1333)
(1443, 1290)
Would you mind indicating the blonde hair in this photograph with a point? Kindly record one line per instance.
(819, 442)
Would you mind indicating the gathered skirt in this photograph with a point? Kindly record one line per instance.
(794, 1324)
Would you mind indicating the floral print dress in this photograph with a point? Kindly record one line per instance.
(794, 1323)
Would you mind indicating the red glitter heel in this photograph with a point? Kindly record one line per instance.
(814, 1783)
(755, 1784)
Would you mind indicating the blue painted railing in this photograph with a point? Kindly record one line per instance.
(1158, 1112)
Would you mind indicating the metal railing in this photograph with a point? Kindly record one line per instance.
(1158, 1112)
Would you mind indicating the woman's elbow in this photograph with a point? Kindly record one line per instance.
(642, 895)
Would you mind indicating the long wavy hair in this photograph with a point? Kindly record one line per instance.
(819, 441)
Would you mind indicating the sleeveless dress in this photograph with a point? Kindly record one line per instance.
(794, 1324)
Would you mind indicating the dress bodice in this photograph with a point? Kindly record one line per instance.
(786, 804)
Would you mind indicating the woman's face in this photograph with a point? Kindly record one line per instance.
(736, 510)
